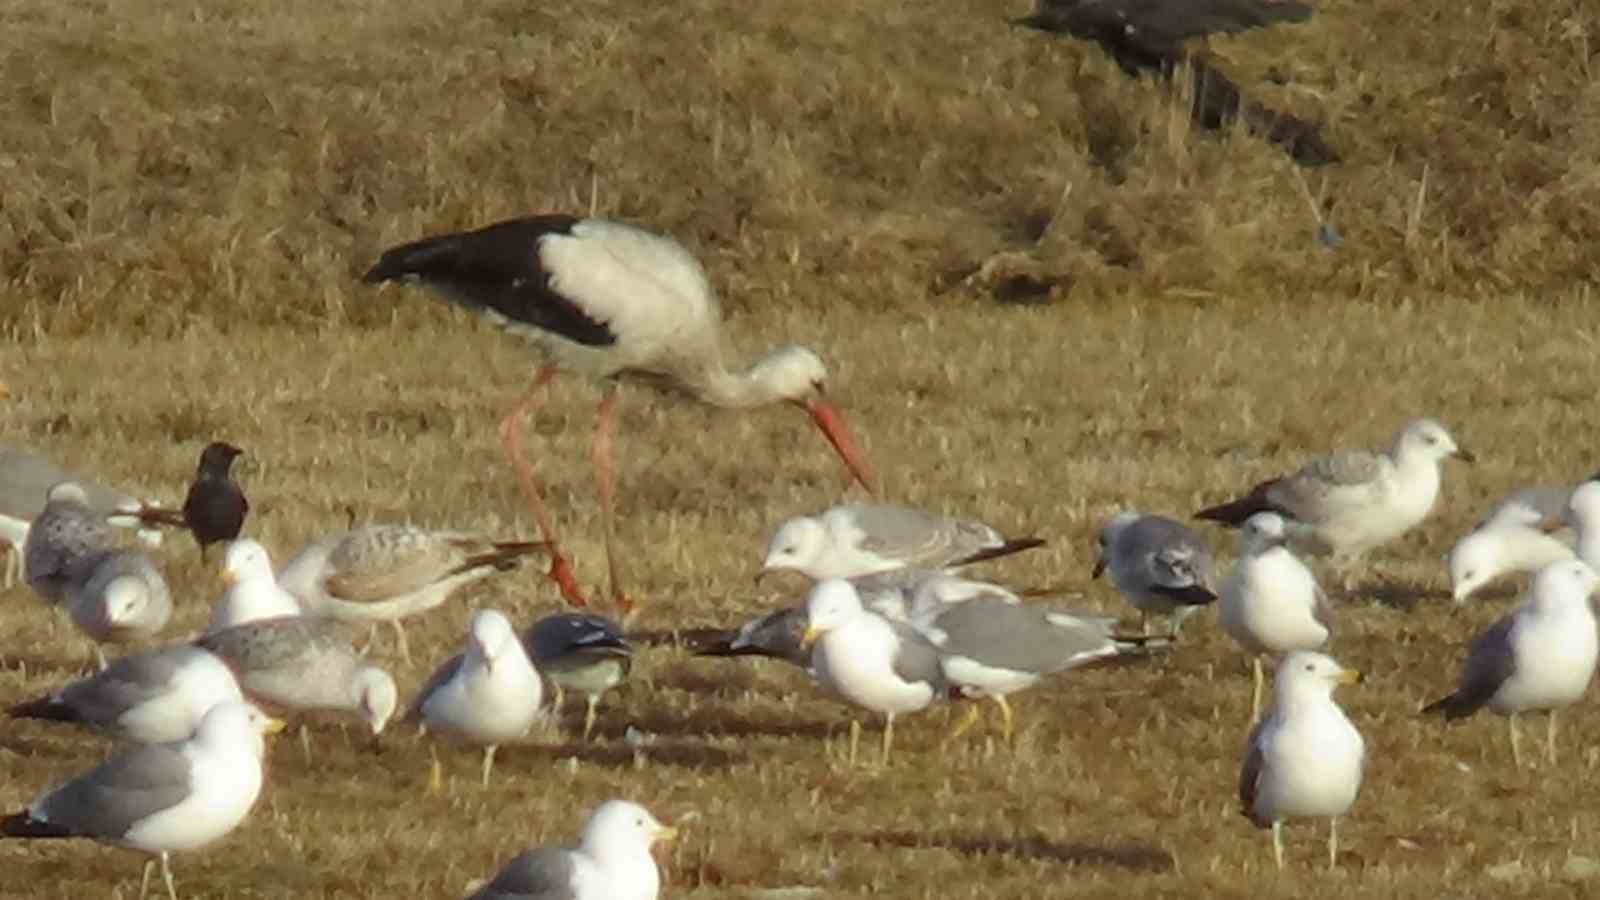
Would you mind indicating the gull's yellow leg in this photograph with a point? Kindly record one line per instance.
(1255, 695)
(488, 762)
(963, 726)
(1277, 842)
(1007, 720)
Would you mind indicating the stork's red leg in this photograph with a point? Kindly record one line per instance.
(605, 472)
(511, 439)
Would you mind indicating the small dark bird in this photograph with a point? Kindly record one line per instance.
(579, 652)
(215, 507)
(1150, 36)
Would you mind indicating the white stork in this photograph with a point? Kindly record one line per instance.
(614, 302)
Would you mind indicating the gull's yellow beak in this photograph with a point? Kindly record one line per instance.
(665, 833)
(273, 726)
(230, 577)
(809, 638)
(1349, 676)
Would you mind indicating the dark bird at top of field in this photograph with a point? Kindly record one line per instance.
(1151, 36)
(613, 302)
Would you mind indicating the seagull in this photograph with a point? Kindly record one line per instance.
(1161, 566)
(1583, 514)
(387, 572)
(215, 506)
(1270, 602)
(61, 541)
(1516, 536)
(856, 539)
(1347, 503)
(579, 652)
(1540, 657)
(612, 863)
(1304, 758)
(160, 798)
(25, 480)
(487, 695)
(613, 302)
(154, 697)
(887, 667)
(304, 664)
(121, 597)
(253, 593)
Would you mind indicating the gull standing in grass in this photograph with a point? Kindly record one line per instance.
(613, 862)
(1540, 657)
(867, 538)
(387, 572)
(1583, 514)
(1347, 503)
(122, 598)
(253, 593)
(1270, 602)
(486, 695)
(1517, 536)
(615, 303)
(305, 664)
(1304, 759)
(1161, 566)
(579, 652)
(887, 667)
(154, 697)
(26, 479)
(161, 799)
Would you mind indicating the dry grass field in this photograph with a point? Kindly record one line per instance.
(1041, 300)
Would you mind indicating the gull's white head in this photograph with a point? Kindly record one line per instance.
(490, 636)
(232, 722)
(1564, 585)
(1307, 673)
(246, 560)
(831, 604)
(1427, 439)
(1113, 527)
(1583, 508)
(798, 545)
(67, 492)
(1473, 562)
(129, 602)
(619, 827)
(377, 697)
(1262, 532)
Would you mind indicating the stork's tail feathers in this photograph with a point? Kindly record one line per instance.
(1016, 545)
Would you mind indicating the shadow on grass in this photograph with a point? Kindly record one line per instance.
(722, 723)
(678, 754)
(55, 669)
(1403, 596)
(1132, 856)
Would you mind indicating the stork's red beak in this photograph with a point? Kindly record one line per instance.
(831, 422)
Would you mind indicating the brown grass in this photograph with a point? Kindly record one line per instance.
(190, 192)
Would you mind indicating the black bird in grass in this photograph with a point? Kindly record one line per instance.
(1150, 36)
(215, 507)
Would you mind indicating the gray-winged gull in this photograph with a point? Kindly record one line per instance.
(884, 666)
(252, 593)
(579, 652)
(151, 697)
(26, 478)
(1351, 501)
(161, 798)
(613, 862)
(487, 695)
(1583, 513)
(865, 538)
(1270, 602)
(1160, 565)
(1516, 536)
(386, 572)
(1304, 759)
(305, 664)
(121, 597)
(1540, 657)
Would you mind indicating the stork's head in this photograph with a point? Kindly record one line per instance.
(797, 375)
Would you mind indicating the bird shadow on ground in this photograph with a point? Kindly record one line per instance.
(1130, 855)
(678, 754)
(1403, 596)
(726, 723)
(64, 669)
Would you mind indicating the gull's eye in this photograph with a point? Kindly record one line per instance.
(1311, 667)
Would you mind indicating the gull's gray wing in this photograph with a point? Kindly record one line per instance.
(1168, 557)
(108, 801)
(542, 874)
(102, 698)
(446, 671)
(915, 660)
(1250, 774)
(1490, 661)
(993, 632)
(902, 533)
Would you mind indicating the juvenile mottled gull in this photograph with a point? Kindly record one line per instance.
(1516, 536)
(1347, 503)
(488, 694)
(612, 863)
(1271, 602)
(64, 536)
(305, 664)
(991, 646)
(152, 697)
(887, 667)
(1161, 566)
(865, 538)
(579, 652)
(1304, 758)
(26, 478)
(1541, 656)
(121, 598)
(386, 572)
(253, 593)
(161, 798)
